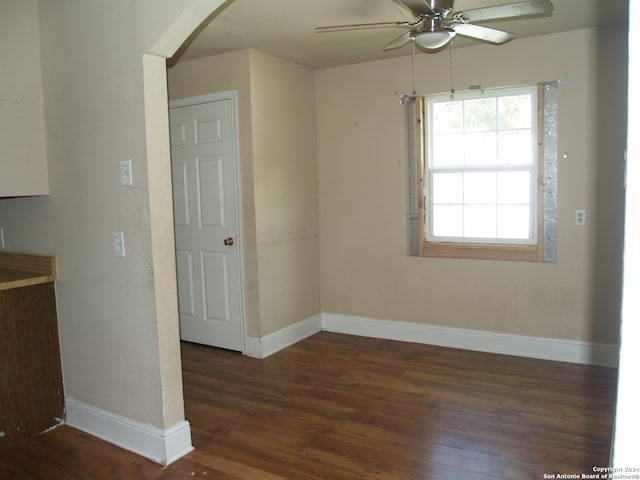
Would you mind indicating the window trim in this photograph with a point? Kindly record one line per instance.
(484, 251)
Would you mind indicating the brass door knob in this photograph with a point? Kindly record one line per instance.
(228, 241)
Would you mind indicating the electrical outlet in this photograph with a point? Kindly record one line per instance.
(581, 217)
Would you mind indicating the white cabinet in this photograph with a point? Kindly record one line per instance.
(23, 165)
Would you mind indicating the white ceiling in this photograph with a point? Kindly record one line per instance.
(286, 28)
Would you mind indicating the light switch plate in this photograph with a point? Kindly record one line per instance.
(126, 176)
(118, 244)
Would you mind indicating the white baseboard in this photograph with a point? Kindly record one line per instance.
(573, 351)
(507, 344)
(276, 341)
(161, 446)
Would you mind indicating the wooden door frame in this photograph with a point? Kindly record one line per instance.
(231, 95)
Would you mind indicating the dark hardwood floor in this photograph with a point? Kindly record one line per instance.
(340, 407)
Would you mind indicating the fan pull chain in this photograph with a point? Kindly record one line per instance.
(413, 68)
(452, 90)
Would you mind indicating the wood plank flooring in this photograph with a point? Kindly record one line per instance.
(340, 407)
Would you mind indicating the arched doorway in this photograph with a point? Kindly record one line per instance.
(177, 440)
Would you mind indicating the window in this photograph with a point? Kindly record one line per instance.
(480, 174)
(481, 164)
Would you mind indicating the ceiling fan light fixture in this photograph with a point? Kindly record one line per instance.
(434, 39)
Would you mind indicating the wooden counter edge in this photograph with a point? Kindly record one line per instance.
(26, 282)
(32, 269)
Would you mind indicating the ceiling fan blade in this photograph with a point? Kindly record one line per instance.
(483, 33)
(398, 42)
(519, 9)
(359, 26)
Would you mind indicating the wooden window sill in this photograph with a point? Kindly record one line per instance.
(518, 253)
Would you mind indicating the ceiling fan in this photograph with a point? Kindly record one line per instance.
(436, 23)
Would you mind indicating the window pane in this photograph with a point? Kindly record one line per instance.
(514, 221)
(447, 117)
(448, 150)
(514, 112)
(447, 220)
(480, 115)
(481, 148)
(480, 188)
(514, 147)
(447, 188)
(514, 188)
(480, 221)
(481, 170)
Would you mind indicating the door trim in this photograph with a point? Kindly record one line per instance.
(232, 96)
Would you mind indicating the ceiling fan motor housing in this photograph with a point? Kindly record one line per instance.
(440, 5)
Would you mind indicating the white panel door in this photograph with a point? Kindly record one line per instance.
(203, 157)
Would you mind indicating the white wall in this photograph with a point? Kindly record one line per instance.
(286, 191)
(365, 270)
